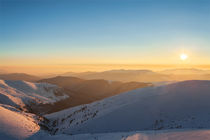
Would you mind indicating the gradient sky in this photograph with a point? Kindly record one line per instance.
(59, 32)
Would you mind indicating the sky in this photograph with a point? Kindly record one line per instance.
(65, 32)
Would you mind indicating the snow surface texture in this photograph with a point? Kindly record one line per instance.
(21, 93)
(153, 113)
(16, 125)
(179, 105)
(142, 135)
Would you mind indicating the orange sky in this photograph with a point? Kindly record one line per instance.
(115, 35)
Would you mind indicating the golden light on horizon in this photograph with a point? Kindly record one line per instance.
(183, 56)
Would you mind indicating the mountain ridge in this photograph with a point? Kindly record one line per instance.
(174, 106)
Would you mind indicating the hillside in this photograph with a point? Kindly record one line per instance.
(21, 103)
(86, 91)
(24, 95)
(15, 124)
(172, 111)
(193, 134)
(175, 106)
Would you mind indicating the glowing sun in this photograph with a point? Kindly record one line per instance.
(183, 56)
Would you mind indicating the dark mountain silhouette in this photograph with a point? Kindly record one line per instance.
(86, 91)
(19, 76)
(123, 75)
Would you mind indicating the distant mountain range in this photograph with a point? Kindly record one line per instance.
(19, 76)
(185, 71)
(123, 75)
(146, 75)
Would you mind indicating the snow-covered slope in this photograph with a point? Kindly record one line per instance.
(21, 93)
(15, 124)
(179, 105)
(139, 135)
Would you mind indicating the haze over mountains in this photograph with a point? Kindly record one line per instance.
(123, 75)
(104, 69)
(18, 99)
(86, 91)
(61, 106)
(19, 76)
(146, 75)
(191, 71)
(182, 105)
(179, 105)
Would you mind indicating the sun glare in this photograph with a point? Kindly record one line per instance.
(183, 56)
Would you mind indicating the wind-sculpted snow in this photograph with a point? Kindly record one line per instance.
(174, 106)
(22, 93)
